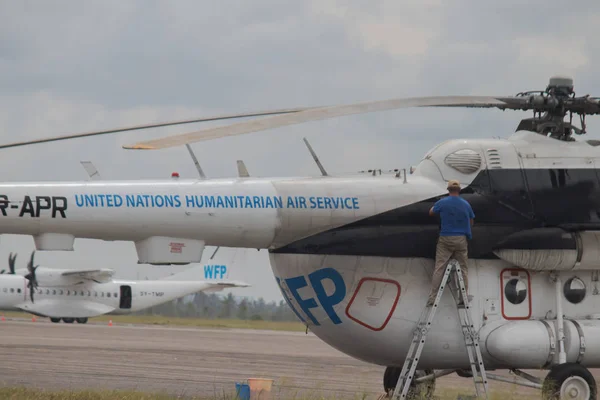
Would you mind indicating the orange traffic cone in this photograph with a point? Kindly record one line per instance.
(33, 319)
(110, 322)
(3, 319)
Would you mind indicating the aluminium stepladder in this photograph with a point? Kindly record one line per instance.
(470, 335)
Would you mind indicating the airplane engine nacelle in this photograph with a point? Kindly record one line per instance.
(532, 343)
(160, 250)
(551, 249)
(51, 277)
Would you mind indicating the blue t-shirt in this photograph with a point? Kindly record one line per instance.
(456, 214)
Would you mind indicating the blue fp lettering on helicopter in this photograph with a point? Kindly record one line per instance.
(216, 271)
(326, 301)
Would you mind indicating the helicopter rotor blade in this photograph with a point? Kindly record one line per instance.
(154, 125)
(320, 113)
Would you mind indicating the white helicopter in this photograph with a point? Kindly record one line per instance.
(354, 255)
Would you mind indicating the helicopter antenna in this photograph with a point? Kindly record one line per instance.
(196, 163)
(314, 156)
(91, 170)
(242, 170)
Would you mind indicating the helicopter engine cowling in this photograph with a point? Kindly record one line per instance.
(551, 249)
(532, 343)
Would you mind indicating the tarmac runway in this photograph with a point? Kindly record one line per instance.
(180, 361)
(184, 361)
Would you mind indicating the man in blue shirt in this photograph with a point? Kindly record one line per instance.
(457, 218)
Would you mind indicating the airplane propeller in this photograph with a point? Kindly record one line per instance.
(11, 264)
(31, 277)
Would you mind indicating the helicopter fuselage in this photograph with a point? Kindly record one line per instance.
(353, 255)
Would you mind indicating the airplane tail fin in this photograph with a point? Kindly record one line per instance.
(220, 267)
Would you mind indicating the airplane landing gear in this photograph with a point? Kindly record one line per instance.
(420, 390)
(81, 320)
(55, 320)
(569, 381)
(68, 320)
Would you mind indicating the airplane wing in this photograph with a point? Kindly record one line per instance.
(57, 308)
(96, 275)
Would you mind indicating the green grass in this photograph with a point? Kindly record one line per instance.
(188, 322)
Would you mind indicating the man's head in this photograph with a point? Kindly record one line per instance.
(453, 187)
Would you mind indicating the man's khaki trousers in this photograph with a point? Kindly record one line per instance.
(449, 247)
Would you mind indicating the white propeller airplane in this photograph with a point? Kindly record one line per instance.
(78, 294)
(354, 255)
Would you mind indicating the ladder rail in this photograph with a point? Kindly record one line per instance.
(471, 337)
(477, 366)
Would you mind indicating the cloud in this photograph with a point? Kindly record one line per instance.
(67, 67)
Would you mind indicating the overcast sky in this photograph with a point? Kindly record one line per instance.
(70, 66)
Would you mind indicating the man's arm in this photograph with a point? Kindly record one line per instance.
(435, 209)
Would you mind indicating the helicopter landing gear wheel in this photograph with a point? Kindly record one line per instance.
(422, 390)
(569, 381)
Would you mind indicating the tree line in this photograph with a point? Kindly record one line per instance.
(213, 306)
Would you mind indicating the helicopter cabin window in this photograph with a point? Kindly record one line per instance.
(515, 284)
(574, 290)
